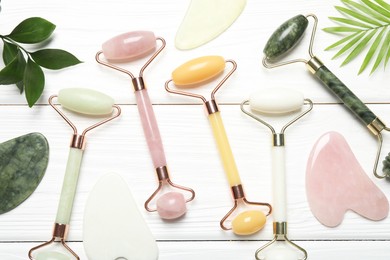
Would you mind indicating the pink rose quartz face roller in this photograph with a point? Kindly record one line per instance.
(336, 183)
(129, 46)
(87, 102)
(197, 71)
(278, 101)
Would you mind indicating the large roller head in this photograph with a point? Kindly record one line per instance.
(198, 70)
(86, 101)
(129, 46)
(276, 100)
(285, 37)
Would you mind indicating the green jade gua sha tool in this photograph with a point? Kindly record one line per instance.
(23, 162)
(87, 102)
(284, 39)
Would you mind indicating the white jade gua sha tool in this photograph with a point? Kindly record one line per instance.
(87, 102)
(278, 101)
(113, 227)
(284, 39)
(197, 71)
(126, 47)
(205, 20)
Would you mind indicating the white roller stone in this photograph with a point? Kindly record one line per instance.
(276, 100)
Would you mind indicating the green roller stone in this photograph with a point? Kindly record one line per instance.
(285, 37)
(85, 101)
(23, 162)
(386, 167)
(350, 100)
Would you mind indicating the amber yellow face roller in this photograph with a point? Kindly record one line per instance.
(87, 102)
(194, 73)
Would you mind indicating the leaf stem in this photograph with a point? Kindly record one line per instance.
(6, 39)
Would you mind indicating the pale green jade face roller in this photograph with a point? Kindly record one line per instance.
(278, 101)
(284, 39)
(87, 102)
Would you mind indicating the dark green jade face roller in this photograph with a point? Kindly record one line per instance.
(284, 39)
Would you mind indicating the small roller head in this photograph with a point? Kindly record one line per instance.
(198, 70)
(285, 37)
(248, 222)
(129, 46)
(276, 101)
(85, 101)
(45, 255)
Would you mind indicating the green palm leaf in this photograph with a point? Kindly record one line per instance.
(365, 23)
(358, 15)
(372, 51)
(350, 22)
(349, 45)
(371, 9)
(343, 40)
(382, 52)
(383, 4)
(388, 53)
(377, 8)
(359, 48)
(339, 29)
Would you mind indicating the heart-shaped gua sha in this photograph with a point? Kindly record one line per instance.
(335, 183)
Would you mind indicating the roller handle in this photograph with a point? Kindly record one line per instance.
(350, 100)
(149, 124)
(279, 184)
(69, 186)
(225, 151)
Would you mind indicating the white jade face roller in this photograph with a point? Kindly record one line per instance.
(278, 101)
(171, 204)
(87, 102)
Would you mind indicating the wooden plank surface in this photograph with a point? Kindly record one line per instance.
(191, 151)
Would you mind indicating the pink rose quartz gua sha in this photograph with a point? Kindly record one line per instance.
(198, 71)
(205, 20)
(277, 101)
(336, 183)
(126, 47)
(86, 102)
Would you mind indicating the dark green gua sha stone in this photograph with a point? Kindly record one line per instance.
(285, 38)
(23, 162)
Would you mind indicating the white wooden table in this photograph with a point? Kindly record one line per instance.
(191, 151)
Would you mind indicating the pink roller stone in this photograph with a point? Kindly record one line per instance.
(150, 126)
(335, 183)
(171, 205)
(129, 46)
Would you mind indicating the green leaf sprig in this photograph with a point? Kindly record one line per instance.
(23, 67)
(365, 22)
